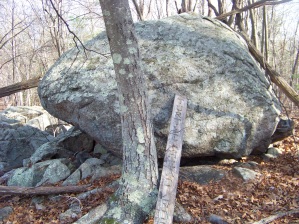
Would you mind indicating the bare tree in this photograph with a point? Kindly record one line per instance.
(137, 193)
(253, 21)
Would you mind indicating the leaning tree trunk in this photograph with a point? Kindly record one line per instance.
(137, 193)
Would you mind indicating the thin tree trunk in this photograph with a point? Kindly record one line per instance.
(139, 13)
(20, 86)
(137, 193)
(265, 25)
(253, 25)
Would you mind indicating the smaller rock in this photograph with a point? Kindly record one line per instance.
(51, 171)
(180, 215)
(74, 212)
(88, 168)
(106, 171)
(75, 141)
(275, 152)
(5, 177)
(38, 203)
(284, 129)
(55, 172)
(248, 165)
(81, 157)
(201, 174)
(245, 174)
(44, 152)
(93, 216)
(116, 161)
(99, 149)
(215, 219)
(227, 161)
(5, 212)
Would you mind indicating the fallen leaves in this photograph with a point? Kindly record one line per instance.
(276, 192)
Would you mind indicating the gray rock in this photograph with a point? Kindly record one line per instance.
(34, 116)
(22, 133)
(246, 174)
(75, 140)
(99, 149)
(201, 174)
(285, 128)
(275, 152)
(215, 219)
(74, 212)
(51, 171)
(248, 165)
(20, 115)
(44, 152)
(93, 216)
(19, 143)
(73, 143)
(5, 212)
(180, 215)
(232, 110)
(88, 168)
(106, 171)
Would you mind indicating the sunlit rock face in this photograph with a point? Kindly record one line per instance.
(232, 110)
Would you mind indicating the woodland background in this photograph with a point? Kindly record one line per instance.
(33, 36)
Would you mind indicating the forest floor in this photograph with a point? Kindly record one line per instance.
(276, 191)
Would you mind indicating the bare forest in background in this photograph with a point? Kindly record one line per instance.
(34, 34)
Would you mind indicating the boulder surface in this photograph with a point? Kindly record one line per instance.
(231, 112)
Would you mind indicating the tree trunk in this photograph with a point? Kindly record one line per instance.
(17, 87)
(253, 25)
(266, 38)
(137, 193)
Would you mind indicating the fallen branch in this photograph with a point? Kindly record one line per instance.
(14, 190)
(251, 6)
(276, 216)
(20, 86)
(274, 76)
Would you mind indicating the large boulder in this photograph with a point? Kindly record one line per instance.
(232, 110)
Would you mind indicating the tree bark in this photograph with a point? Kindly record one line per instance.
(266, 33)
(137, 193)
(20, 86)
(14, 190)
(274, 76)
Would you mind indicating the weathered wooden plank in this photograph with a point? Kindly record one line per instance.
(169, 178)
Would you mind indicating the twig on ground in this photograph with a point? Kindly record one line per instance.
(276, 216)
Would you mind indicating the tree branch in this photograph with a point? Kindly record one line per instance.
(17, 87)
(274, 76)
(276, 216)
(75, 37)
(14, 190)
(252, 6)
(138, 10)
(213, 7)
